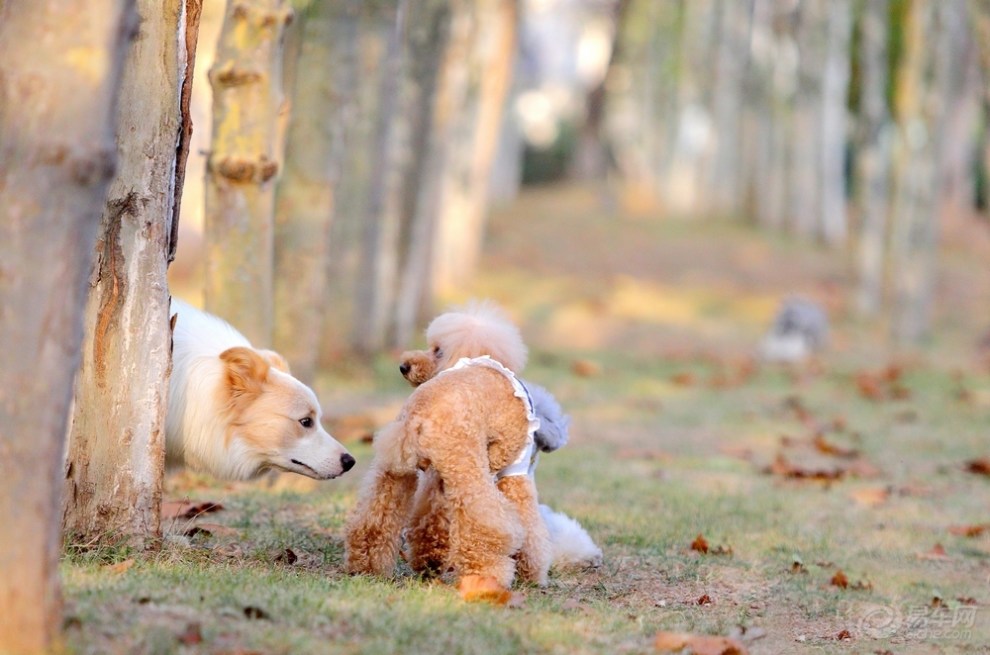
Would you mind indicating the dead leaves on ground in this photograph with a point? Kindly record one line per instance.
(841, 580)
(974, 530)
(700, 545)
(979, 466)
(184, 509)
(884, 384)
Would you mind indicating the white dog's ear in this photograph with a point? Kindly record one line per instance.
(246, 370)
(277, 361)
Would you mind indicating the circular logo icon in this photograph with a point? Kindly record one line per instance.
(878, 621)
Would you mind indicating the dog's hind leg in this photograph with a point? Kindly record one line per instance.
(429, 529)
(534, 557)
(484, 528)
(374, 531)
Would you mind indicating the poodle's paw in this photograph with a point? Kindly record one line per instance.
(484, 589)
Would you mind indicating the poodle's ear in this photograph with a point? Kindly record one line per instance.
(276, 360)
(246, 370)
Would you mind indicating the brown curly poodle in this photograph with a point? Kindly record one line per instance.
(468, 427)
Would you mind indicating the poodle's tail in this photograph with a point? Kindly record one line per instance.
(572, 545)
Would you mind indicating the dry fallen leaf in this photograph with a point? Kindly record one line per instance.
(825, 446)
(700, 544)
(585, 368)
(684, 379)
(969, 530)
(120, 567)
(839, 580)
(478, 588)
(980, 466)
(184, 509)
(844, 635)
(705, 600)
(870, 496)
(676, 642)
(255, 613)
(936, 553)
(192, 635)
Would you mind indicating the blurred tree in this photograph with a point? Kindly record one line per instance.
(59, 77)
(477, 74)
(925, 79)
(243, 162)
(323, 108)
(116, 454)
(873, 153)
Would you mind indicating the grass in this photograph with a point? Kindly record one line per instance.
(665, 446)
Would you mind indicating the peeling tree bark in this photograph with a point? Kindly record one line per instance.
(116, 452)
(59, 76)
(243, 163)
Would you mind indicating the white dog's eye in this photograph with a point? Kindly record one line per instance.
(306, 422)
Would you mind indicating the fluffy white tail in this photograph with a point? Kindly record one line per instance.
(572, 545)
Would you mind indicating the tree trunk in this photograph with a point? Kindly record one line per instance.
(59, 76)
(429, 114)
(379, 251)
(732, 54)
(243, 163)
(873, 158)
(922, 89)
(805, 138)
(479, 69)
(321, 107)
(116, 455)
(834, 97)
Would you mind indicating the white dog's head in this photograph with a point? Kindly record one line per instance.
(273, 419)
(478, 328)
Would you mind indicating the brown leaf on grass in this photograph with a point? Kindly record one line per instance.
(255, 613)
(937, 553)
(969, 530)
(677, 642)
(966, 600)
(192, 635)
(479, 588)
(211, 529)
(700, 544)
(287, 556)
(184, 509)
(871, 496)
(869, 386)
(843, 635)
(825, 446)
(841, 580)
(120, 567)
(684, 379)
(979, 466)
(884, 384)
(585, 368)
(797, 565)
(796, 404)
(782, 467)
(705, 600)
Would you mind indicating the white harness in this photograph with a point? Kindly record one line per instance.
(525, 463)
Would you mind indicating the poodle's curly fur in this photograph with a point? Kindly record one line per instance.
(458, 429)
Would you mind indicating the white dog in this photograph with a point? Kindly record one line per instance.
(235, 411)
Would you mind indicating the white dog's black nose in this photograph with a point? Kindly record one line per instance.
(347, 461)
(404, 368)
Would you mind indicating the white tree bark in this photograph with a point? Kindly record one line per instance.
(59, 75)
(116, 453)
(873, 169)
(834, 96)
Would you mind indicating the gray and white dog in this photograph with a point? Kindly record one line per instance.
(572, 545)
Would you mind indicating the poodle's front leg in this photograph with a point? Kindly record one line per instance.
(534, 557)
(374, 530)
(484, 529)
(429, 529)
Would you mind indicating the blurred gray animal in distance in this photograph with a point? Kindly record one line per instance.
(799, 329)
